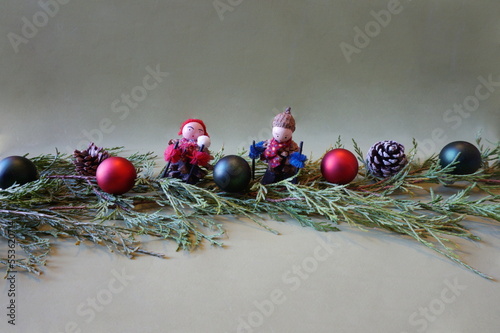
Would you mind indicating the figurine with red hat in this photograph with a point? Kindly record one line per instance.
(189, 156)
(282, 155)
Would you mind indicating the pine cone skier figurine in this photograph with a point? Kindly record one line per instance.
(386, 158)
(283, 156)
(87, 161)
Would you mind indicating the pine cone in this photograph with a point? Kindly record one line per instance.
(87, 161)
(386, 158)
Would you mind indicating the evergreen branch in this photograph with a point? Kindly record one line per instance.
(62, 204)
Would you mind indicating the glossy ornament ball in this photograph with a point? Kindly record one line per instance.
(339, 166)
(232, 173)
(116, 175)
(16, 169)
(469, 160)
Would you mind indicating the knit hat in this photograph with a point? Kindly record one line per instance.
(285, 120)
(199, 121)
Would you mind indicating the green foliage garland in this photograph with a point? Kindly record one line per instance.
(62, 204)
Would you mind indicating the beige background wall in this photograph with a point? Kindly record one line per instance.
(66, 71)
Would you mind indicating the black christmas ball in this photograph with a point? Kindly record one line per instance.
(468, 160)
(232, 173)
(16, 169)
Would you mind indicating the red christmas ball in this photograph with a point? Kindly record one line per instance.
(339, 166)
(116, 175)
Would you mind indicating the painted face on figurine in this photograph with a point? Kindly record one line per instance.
(192, 131)
(282, 134)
